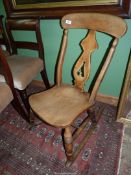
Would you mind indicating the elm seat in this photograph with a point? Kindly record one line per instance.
(73, 103)
(6, 96)
(62, 104)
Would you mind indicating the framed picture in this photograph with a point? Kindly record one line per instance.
(23, 4)
(58, 8)
(124, 109)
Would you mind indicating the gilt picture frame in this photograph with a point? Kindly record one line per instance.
(24, 4)
(124, 108)
(58, 8)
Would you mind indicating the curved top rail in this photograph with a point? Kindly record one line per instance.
(106, 23)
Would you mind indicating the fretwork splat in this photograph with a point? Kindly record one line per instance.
(81, 70)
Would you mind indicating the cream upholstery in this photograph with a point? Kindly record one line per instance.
(23, 70)
(6, 95)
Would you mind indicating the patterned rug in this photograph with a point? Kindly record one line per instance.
(39, 150)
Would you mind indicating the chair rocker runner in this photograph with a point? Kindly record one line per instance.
(63, 103)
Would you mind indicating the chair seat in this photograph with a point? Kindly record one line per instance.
(6, 95)
(60, 105)
(24, 69)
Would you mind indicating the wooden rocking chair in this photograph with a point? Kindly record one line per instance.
(63, 103)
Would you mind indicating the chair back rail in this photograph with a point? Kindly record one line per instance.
(26, 45)
(110, 24)
(25, 25)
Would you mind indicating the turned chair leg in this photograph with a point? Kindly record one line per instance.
(45, 79)
(92, 115)
(19, 108)
(68, 143)
(24, 98)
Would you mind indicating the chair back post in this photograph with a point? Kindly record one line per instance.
(103, 71)
(39, 40)
(4, 40)
(61, 58)
(13, 47)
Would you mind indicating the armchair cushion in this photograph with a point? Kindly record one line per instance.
(24, 69)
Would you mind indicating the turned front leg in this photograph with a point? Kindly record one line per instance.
(68, 143)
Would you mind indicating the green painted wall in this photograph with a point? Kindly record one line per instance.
(51, 35)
